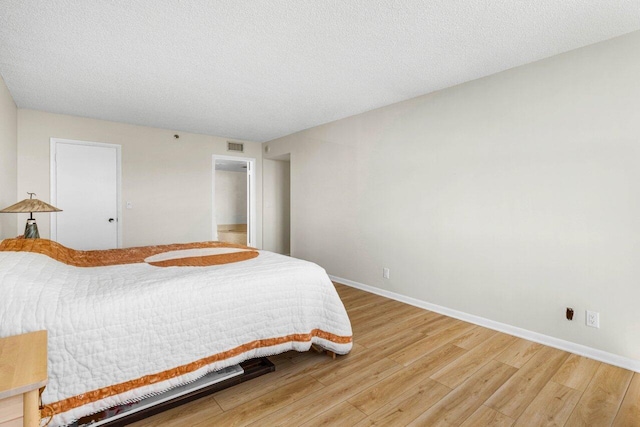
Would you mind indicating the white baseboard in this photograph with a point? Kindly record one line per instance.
(582, 350)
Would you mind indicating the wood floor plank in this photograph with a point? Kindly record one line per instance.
(629, 413)
(457, 372)
(473, 338)
(297, 357)
(413, 322)
(551, 407)
(344, 289)
(375, 397)
(437, 324)
(390, 331)
(405, 311)
(396, 344)
(487, 417)
(189, 413)
(407, 406)
(343, 414)
(313, 405)
(518, 353)
(332, 372)
(250, 390)
(462, 402)
(517, 393)
(361, 328)
(576, 372)
(602, 398)
(253, 410)
(380, 315)
(358, 300)
(374, 309)
(415, 351)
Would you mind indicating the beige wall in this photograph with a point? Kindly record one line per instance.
(8, 149)
(509, 197)
(168, 181)
(276, 210)
(231, 197)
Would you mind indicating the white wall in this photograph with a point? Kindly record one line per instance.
(276, 206)
(231, 197)
(168, 181)
(8, 169)
(509, 197)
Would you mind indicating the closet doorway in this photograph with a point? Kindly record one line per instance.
(234, 196)
(276, 199)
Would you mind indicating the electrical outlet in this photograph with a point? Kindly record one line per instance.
(593, 319)
(385, 273)
(569, 313)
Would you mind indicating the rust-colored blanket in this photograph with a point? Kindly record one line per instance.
(101, 258)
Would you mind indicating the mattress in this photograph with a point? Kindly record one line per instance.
(125, 330)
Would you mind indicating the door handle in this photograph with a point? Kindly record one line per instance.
(111, 220)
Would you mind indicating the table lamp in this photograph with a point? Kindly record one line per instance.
(31, 205)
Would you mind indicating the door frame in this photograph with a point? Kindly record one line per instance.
(53, 143)
(251, 197)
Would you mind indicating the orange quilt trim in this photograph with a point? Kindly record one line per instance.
(95, 395)
(203, 261)
(129, 255)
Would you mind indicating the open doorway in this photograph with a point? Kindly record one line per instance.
(276, 212)
(234, 200)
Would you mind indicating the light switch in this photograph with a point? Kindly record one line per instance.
(129, 205)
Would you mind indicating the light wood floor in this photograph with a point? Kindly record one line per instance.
(414, 367)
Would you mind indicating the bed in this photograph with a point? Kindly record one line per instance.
(126, 324)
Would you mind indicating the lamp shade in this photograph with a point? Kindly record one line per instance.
(30, 205)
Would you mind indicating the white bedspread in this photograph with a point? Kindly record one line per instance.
(110, 325)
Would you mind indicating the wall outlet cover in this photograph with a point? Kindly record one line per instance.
(593, 319)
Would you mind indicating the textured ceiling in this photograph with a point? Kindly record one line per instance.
(257, 70)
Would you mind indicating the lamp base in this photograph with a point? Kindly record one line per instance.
(31, 230)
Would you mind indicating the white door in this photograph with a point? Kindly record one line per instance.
(85, 186)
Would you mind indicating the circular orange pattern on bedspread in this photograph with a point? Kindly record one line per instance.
(203, 261)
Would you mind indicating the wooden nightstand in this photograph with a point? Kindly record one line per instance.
(23, 371)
